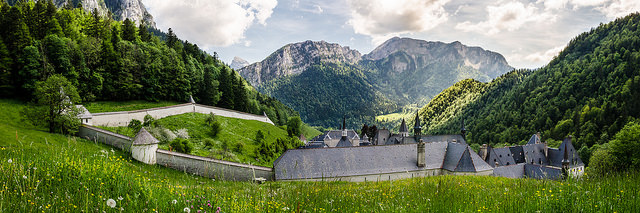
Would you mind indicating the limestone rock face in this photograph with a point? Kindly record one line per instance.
(407, 53)
(294, 58)
(238, 63)
(120, 9)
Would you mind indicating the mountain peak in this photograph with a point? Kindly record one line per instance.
(238, 63)
(295, 58)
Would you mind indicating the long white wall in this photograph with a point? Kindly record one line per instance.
(123, 118)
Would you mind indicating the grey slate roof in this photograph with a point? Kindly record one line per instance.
(83, 112)
(534, 139)
(542, 172)
(511, 171)
(403, 126)
(504, 156)
(517, 153)
(382, 137)
(556, 155)
(144, 138)
(534, 153)
(365, 160)
(344, 142)
(447, 138)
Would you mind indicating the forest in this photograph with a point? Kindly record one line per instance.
(590, 91)
(116, 61)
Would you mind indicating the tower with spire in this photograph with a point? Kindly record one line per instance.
(404, 131)
(417, 129)
(344, 140)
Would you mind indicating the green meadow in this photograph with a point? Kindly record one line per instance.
(42, 172)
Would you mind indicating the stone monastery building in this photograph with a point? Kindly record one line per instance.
(396, 156)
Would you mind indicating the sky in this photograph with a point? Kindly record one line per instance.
(528, 33)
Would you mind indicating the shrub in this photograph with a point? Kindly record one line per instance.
(149, 120)
(238, 148)
(182, 133)
(602, 162)
(293, 126)
(210, 119)
(181, 145)
(208, 142)
(135, 125)
(215, 128)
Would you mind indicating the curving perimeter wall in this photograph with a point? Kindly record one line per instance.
(123, 118)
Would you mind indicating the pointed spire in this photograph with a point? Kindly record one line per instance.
(417, 129)
(565, 158)
(191, 100)
(463, 130)
(344, 127)
(403, 128)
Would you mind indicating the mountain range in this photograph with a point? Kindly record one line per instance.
(400, 73)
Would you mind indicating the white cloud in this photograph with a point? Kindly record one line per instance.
(317, 9)
(509, 16)
(382, 19)
(210, 22)
(620, 8)
(545, 56)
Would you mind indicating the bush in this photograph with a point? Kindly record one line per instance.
(181, 145)
(215, 128)
(135, 125)
(238, 148)
(210, 119)
(149, 120)
(602, 162)
(293, 126)
(182, 133)
(208, 142)
(625, 146)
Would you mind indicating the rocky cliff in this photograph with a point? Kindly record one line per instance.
(238, 63)
(120, 9)
(423, 53)
(295, 58)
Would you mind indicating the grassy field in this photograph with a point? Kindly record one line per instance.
(233, 132)
(42, 172)
(112, 106)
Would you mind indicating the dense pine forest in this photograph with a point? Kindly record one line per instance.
(116, 61)
(591, 91)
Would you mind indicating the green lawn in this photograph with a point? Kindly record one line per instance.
(234, 132)
(55, 173)
(116, 106)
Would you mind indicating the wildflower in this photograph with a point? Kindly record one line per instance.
(34, 168)
(24, 176)
(187, 209)
(218, 209)
(120, 198)
(285, 208)
(174, 201)
(10, 161)
(111, 203)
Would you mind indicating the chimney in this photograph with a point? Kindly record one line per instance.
(421, 157)
(483, 152)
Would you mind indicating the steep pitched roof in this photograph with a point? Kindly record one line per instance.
(556, 155)
(534, 153)
(504, 156)
(344, 142)
(403, 126)
(534, 139)
(144, 138)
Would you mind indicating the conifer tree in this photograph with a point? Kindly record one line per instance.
(128, 30)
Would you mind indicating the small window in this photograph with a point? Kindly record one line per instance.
(540, 161)
(494, 160)
(507, 163)
(500, 155)
(508, 155)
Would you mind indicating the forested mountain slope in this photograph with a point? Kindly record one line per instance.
(112, 60)
(397, 75)
(590, 91)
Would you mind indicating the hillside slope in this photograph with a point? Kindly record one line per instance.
(590, 90)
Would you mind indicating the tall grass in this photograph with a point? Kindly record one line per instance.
(53, 173)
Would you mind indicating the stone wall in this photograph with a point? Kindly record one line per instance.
(103, 136)
(212, 168)
(123, 118)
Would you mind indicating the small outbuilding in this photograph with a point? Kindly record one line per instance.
(144, 147)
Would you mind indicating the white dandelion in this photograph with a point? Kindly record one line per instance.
(111, 203)
(10, 161)
(24, 176)
(174, 201)
(120, 198)
(187, 209)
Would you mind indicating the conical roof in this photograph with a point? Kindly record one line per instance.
(191, 100)
(403, 126)
(144, 138)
